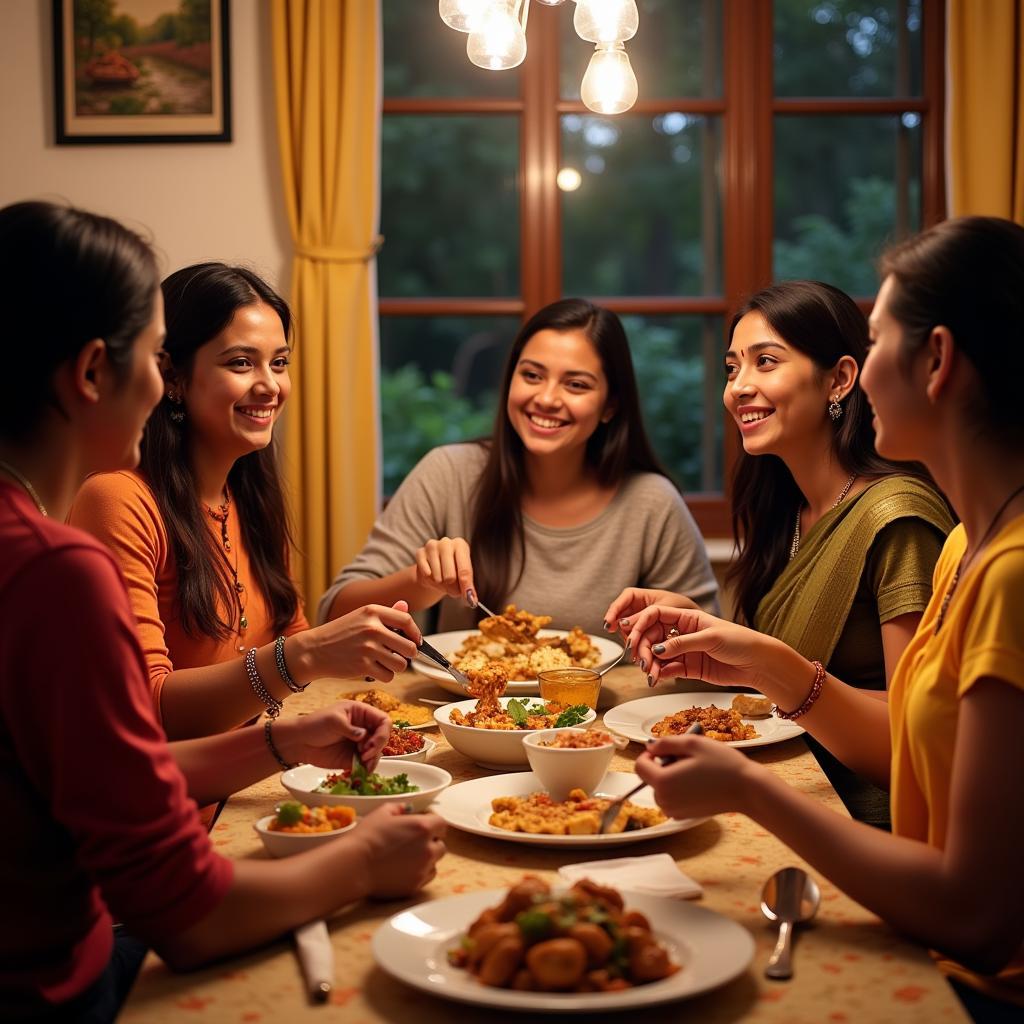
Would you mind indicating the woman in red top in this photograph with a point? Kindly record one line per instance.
(99, 810)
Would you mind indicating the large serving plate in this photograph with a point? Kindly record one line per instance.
(635, 718)
(449, 643)
(467, 806)
(413, 945)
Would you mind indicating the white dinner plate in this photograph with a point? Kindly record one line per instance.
(635, 718)
(467, 806)
(449, 643)
(413, 946)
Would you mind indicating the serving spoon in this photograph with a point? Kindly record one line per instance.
(790, 897)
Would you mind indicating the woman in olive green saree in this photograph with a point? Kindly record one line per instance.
(836, 545)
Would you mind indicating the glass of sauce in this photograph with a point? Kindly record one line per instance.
(570, 686)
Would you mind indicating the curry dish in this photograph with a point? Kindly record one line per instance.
(579, 940)
(721, 724)
(580, 815)
(509, 642)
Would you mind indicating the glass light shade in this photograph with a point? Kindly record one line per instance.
(550, 3)
(497, 42)
(462, 15)
(609, 85)
(606, 21)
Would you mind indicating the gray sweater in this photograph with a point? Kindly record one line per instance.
(644, 537)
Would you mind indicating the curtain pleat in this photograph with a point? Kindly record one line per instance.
(326, 63)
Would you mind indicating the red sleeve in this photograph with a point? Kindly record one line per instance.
(89, 742)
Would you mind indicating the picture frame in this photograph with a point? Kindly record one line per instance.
(141, 71)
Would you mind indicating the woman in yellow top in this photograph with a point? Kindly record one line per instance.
(942, 379)
(200, 529)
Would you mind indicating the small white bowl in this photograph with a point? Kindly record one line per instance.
(302, 781)
(417, 755)
(500, 749)
(284, 844)
(561, 769)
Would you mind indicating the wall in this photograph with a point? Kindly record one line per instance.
(198, 202)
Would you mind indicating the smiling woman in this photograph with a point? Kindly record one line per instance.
(201, 530)
(560, 509)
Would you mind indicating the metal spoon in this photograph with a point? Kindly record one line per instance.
(608, 668)
(790, 897)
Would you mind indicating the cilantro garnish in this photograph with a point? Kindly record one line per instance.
(571, 716)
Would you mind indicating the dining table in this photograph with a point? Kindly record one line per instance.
(848, 965)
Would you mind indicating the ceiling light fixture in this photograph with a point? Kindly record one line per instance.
(497, 42)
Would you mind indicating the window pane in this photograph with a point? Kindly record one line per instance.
(424, 57)
(845, 187)
(438, 381)
(449, 206)
(645, 217)
(847, 47)
(679, 363)
(676, 51)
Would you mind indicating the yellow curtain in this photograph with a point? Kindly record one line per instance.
(986, 107)
(327, 88)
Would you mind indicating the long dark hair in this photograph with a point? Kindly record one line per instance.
(967, 274)
(66, 277)
(824, 324)
(615, 449)
(199, 302)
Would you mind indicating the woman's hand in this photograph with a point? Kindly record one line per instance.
(401, 850)
(707, 777)
(364, 643)
(707, 647)
(444, 565)
(635, 599)
(328, 738)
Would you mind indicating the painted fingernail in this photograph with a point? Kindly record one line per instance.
(629, 643)
(624, 623)
(607, 628)
(650, 680)
(368, 679)
(650, 740)
(643, 665)
(658, 648)
(471, 597)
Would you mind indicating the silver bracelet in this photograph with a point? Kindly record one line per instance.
(282, 667)
(273, 705)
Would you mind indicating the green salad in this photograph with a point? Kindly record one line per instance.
(521, 710)
(357, 781)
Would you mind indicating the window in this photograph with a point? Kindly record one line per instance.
(770, 140)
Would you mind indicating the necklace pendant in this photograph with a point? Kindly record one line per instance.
(239, 587)
(227, 545)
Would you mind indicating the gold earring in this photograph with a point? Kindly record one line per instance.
(835, 410)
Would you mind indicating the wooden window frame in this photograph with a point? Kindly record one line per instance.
(747, 108)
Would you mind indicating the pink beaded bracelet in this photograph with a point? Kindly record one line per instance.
(816, 688)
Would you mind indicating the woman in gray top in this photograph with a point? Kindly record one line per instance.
(564, 507)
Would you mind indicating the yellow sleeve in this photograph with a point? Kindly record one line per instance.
(993, 630)
(121, 512)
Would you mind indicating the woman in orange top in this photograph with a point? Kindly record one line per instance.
(942, 378)
(201, 531)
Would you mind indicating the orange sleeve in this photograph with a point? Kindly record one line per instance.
(121, 512)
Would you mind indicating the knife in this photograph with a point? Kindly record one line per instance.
(316, 955)
(439, 659)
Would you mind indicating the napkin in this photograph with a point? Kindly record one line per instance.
(316, 954)
(655, 875)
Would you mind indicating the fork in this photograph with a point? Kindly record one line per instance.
(612, 810)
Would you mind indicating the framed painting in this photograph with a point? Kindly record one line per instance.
(141, 71)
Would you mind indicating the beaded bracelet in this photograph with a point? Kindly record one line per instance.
(816, 688)
(273, 705)
(282, 667)
(268, 735)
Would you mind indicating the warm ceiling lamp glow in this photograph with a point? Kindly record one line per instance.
(569, 179)
(497, 42)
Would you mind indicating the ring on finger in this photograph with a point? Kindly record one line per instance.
(672, 632)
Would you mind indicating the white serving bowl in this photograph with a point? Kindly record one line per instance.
(561, 769)
(284, 844)
(500, 749)
(417, 755)
(302, 781)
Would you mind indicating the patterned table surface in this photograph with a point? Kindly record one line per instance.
(848, 965)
